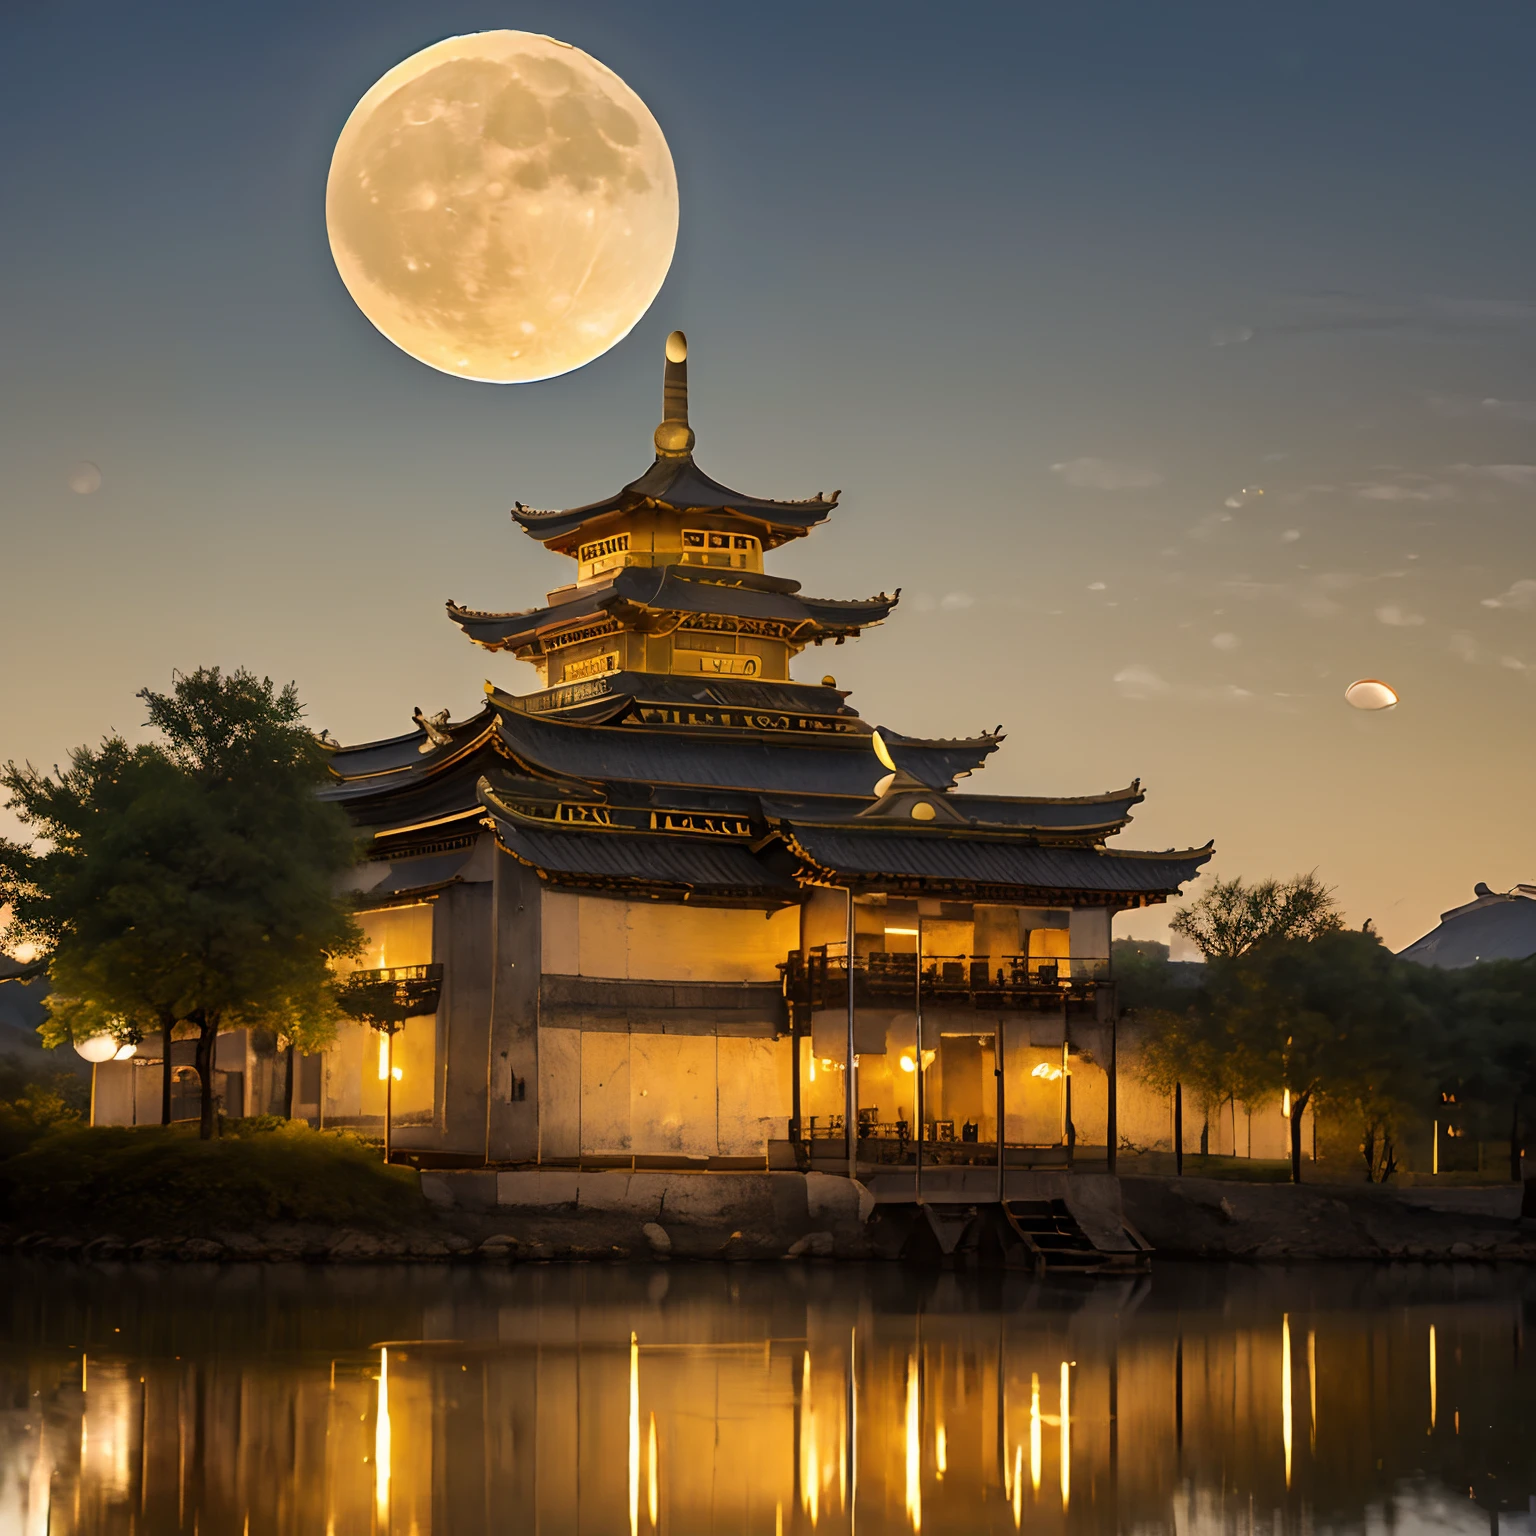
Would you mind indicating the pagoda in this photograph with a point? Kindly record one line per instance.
(675, 906)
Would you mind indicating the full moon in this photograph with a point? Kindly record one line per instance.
(502, 207)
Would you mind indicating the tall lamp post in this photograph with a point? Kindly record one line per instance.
(100, 1048)
(851, 1075)
(391, 1075)
(384, 999)
(917, 1060)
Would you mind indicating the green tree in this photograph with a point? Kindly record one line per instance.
(1232, 918)
(1328, 1018)
(1488, 1056)
(188, 884)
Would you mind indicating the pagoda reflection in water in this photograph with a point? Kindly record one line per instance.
(751, 1399)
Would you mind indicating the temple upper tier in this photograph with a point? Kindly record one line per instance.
(670, 575)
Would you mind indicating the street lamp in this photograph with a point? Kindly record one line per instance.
(97, 1049)
(918, 1063)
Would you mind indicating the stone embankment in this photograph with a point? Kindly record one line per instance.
(534, 1216)
(1222, 1219)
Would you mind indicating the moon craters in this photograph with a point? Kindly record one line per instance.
(502, 206)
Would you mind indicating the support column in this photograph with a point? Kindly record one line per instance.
(1112, 1116)
(512, 1065)
(922, 1109)
(850, 1063)
(1002, 1105)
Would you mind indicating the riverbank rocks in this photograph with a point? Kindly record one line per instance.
(356, 1247)
(198, 1250)
(615, 1216)
(1224, 1219)
(814, 1245)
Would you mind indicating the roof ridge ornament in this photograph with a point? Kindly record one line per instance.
(674, 437)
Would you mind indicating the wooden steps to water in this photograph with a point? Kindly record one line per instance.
(1055, 1243)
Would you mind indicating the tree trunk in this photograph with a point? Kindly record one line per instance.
(1516, 1173)
(288, 1084)
(1298, 1109)
(167, 1075)
(1178, 1129)
(207, 1053)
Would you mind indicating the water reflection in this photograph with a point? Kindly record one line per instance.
(403, 1402)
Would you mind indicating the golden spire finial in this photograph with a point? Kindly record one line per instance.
(674, 437)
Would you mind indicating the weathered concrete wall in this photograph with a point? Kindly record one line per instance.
(462, 946)
(512, 1129)
(692, 1214)
(662, 941)
(613, 1093)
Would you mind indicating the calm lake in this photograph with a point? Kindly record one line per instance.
(424, 1401)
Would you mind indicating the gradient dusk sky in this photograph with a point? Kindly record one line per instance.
(1050, 291)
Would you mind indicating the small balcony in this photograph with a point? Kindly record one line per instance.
(393, 994)
(818, 980)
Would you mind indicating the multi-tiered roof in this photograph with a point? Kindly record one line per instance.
(670, 753)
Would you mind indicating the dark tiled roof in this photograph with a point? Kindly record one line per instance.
(598, 695)
(499, 630)
(1079, 814)
(954, 858)
(834, 765)
(679, 483)
(687, 865)
(1495, 928)
(418, 877)
(398, 754)
(676, 589)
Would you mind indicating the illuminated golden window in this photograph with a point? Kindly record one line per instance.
(738, 551)
(616, 544)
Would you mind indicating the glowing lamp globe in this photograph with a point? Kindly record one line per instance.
(97, 1049)
(1370, 693)
(125, 1052)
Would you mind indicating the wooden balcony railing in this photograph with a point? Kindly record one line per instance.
(817, 979)
(393, 994)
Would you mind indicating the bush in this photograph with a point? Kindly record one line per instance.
(163, 1180)
(33, 1102)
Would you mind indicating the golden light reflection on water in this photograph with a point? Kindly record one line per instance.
(634, 1434)
(1065, 1419)
(381, 1443)
(1285, 1392)
(1433, 1393)
(703, 1399)
(1034, 1433)
(914, 1448)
